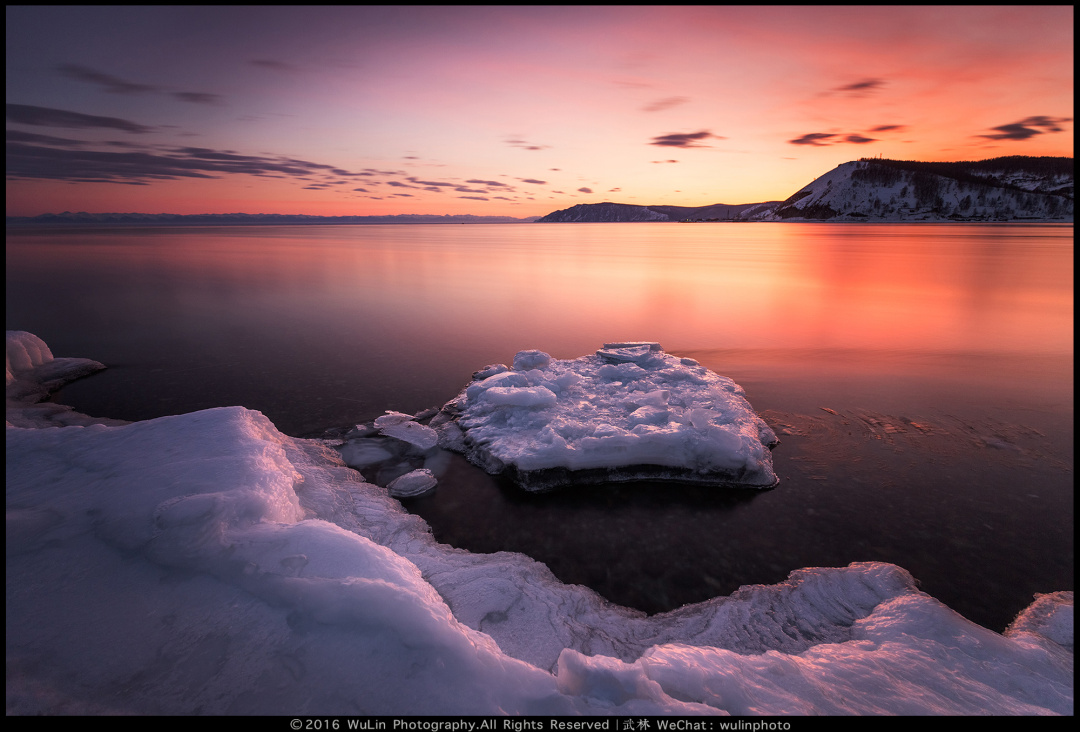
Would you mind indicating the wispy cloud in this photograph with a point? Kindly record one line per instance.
(31, 137)
(665, 103)
(412, 179)
(1027, 128)
(684, 139)
(822, 139)
(273, 64)
(861, 88)
(26, 114)
(518, 142)
(31, 156)
(115, 85)
(109, 83)
(197, 97)
(817, 139)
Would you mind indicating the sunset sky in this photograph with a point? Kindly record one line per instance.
(513, 111)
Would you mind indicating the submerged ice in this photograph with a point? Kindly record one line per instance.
(205, 563)
(629, 411)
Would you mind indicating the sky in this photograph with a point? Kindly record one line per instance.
(509, 110)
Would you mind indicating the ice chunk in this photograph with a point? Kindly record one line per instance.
(526, 360)
(630, 411)
(490, 370)
(419, 435)
(529, 396)
(642, 353)
(391, 418)
(415, 483)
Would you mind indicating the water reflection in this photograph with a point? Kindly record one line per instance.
(910, 287)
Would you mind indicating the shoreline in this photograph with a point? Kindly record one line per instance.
(252, 551)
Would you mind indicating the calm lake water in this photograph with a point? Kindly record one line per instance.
(919, 376)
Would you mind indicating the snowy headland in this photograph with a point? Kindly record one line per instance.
(206, 563)
(1015, 188)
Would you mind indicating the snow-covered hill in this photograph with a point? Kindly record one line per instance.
(1000, 189)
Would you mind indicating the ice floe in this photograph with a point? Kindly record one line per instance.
(629, 411)
(205, 563)
(414, 483)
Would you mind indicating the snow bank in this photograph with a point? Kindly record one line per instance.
(31, 373)
(207, 564)
(630, 411)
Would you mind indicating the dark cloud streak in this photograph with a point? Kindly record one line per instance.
(30, 161)
(19, 136)
(110, 83)
(524, 144)
(1027, 128)
(860, 88)
(268, 63)
(684, 139)
(817, 139)
(115, 85)
(26, 114)
(198, 97)
(823, 139)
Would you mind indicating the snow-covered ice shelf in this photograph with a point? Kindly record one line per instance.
(628, 412)
(205, 563)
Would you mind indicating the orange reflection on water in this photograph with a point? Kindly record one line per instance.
(568, 287)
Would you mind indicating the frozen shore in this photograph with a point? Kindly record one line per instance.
(205, 563)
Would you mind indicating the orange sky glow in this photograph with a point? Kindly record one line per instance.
(507, 110)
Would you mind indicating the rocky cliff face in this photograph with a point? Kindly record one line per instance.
(1000, 189)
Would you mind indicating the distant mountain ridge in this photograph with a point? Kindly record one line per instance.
(241, 218)
(631, 212)
(1012, 188)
